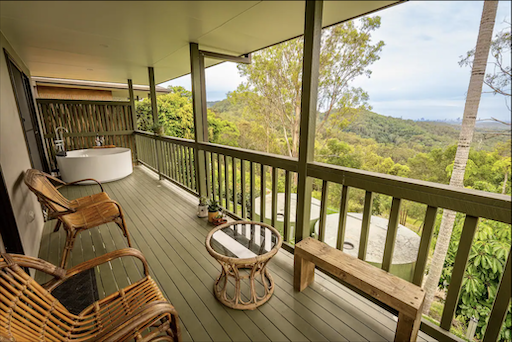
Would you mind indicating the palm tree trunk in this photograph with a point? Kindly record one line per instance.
(504, 189)
(476, 81)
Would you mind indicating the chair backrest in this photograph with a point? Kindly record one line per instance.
(45, 191)
(28, 311)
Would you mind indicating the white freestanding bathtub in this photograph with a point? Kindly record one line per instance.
(103, 164)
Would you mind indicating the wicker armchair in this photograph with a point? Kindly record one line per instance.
(28, 311)
(76, 215)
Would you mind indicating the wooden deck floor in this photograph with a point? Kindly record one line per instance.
(162, 221)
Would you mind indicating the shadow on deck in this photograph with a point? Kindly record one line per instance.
(162, 221)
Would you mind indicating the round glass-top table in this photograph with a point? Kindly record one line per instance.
(243, 249)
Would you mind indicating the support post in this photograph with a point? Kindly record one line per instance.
(152, 94)
(200, 115)
(310, 73)
(154, 110)
(134, 116)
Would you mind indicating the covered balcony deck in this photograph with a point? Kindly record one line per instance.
(163, 224)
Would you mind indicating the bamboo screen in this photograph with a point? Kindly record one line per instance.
(83, 121)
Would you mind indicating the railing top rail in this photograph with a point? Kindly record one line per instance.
(474, 202)
(84, 102)
(270, 159)
(179, 141)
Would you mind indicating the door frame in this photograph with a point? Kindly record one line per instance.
(36, 124)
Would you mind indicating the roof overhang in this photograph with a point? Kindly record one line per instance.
(116, 40)
(69, 83)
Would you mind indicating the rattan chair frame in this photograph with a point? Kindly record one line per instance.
(60, 208)
(28, 311)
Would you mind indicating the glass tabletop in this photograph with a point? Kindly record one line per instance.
(244, 240)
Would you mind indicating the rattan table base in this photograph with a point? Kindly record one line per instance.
(254, 272)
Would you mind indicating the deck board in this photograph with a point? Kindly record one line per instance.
(162, 222)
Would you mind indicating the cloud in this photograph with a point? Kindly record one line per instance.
(220, 79)
(418, 74)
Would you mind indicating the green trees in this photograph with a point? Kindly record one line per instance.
(485, 266)
(271, 96)
(176, 116)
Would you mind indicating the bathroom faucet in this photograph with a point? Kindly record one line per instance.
(100, 140)
(59, 141)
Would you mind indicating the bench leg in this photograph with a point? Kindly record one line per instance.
(303, 274)
(407, 328)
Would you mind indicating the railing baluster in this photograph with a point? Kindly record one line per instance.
(243, 190)
(365, 225)
(219, 176)
(235, 194)
(207, 160)
(173, 162)
(191, 169)
(459, 268)
(185, 167)
(391, 234)
(287, 204)
(252, 176)
(214, 192)
(145, 156)
(180, 163)
(263, 190)
(151, 149)
(226, 181)
(323, 211)
(500, 305)
(274, 196)
(342, 222)
(160, 165)
(166, 159)
(426, 239)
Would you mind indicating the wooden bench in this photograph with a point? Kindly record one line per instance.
(395, 292)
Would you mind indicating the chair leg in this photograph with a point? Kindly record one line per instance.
(70, 242)
(122, 225)
(174, 329)
(57, 226)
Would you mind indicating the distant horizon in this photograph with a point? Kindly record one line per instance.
(418, 75)
(458, 119)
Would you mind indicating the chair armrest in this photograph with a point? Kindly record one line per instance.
(81, 180)
(54, 178)
(52, 284)
(32, 262)
(139, 318)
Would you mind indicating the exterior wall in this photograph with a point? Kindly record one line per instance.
(64, 93)
(14, 158)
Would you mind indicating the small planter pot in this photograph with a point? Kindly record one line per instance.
(202, 211)
(211, 215)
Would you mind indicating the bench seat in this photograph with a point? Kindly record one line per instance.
(387, 288)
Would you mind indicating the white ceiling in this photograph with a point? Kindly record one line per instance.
(116, 40)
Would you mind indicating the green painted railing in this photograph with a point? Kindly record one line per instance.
(236, 177)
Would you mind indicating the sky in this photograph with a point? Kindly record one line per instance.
(418, 75)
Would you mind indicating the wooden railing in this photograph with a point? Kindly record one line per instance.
(172, 158)
(233, 174)
(83, 121)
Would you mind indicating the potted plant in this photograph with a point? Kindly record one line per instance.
(219, 219)
(213, 209)
(202, 207)
(158, 128)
